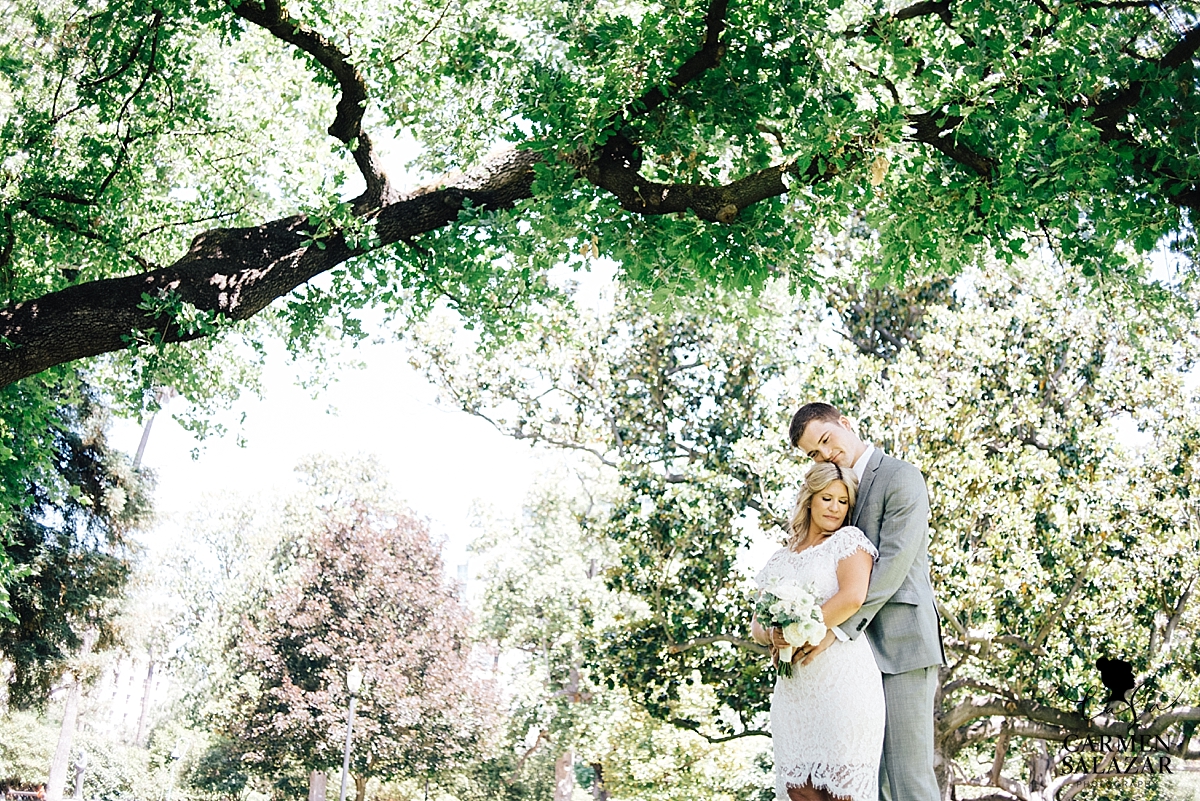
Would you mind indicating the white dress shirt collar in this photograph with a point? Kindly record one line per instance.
(860, 467)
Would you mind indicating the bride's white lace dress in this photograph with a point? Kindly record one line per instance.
(827, 718)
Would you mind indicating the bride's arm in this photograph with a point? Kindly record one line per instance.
(853, 575)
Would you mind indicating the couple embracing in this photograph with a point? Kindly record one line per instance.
(855, 718)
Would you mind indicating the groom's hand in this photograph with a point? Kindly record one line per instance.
(825, 642)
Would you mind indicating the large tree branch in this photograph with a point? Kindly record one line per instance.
(1058, 724)
(347, 124)
(615, 171)
(1106, 115)
(705, 58)
(939, 130)
(980, 730)
(1121, 107)
(235, 272)
(925, 8)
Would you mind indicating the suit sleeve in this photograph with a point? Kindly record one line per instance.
(903, 534)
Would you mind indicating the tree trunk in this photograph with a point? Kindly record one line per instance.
(943, 763)
(360, 788)
(66, 734)
(1040, 771)
(564, 776)
(62, 754)
(599, 792)
(317, 782)
(140, 739)
(943, 769)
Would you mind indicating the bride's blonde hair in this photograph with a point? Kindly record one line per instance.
(818, 477)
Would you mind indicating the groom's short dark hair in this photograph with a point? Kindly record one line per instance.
(807, 413)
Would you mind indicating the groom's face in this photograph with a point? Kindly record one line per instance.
(826, 441)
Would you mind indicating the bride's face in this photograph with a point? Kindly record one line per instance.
(829, 507)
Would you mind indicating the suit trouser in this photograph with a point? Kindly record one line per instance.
(906, 770)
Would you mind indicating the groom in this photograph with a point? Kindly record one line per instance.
(898, 614)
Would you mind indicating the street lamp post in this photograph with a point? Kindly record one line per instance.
(354, 681)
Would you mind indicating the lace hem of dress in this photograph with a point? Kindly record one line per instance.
(855, 782)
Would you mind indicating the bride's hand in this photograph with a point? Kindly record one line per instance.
(813, 651)
(777, 638)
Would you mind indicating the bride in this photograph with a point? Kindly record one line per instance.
(827, 718)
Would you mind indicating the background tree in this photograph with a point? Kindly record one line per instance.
(354, 580)
(69, 506)
(1055, 542)
(545, 598)
(669, 402)
(26, 751)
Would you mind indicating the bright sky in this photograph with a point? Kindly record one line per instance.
(439, 459)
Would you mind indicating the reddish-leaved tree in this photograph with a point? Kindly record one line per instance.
(367, 588)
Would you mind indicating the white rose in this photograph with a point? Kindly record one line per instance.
(788, 592)
(807, 632)
(814, 631)
(794, 634)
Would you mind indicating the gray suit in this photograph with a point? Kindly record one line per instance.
(901, 621)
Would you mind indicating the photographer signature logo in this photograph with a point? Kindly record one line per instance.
(1133, 754)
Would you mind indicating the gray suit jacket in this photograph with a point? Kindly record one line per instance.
(898, 614)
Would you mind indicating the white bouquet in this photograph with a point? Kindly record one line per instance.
(794, 608)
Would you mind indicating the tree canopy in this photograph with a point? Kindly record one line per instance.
(170, 167)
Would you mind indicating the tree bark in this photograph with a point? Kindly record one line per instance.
(599, 791)
(140, 739)
(564, 776)
(317, 783)
(61, 761)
